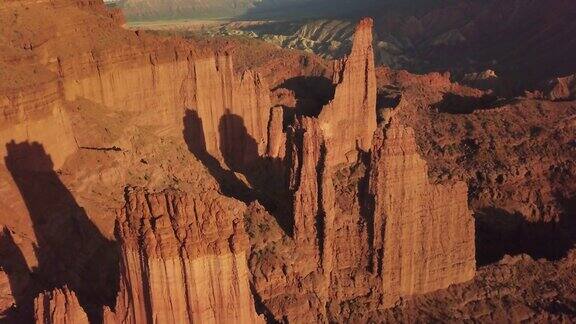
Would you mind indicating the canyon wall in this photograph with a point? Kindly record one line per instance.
(182, 260)
(78, 58)
(161, 84)
(155, 80)
(37, 111)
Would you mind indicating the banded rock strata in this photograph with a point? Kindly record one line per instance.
(183, 260)
(157, 80)
(423, 233)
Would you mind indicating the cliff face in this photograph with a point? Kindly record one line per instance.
(171, 80)
(423, 238)
(183, 260)
(519, 197)
(153, 79)
(245, 99)
(37, 111)
(76, 60)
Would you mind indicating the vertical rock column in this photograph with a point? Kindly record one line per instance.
(349, 119)
(423, 234)
(344, 127)
(183, 260)
(306, 159)
(276, 135)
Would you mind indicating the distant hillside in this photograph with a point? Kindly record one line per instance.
(205, 9)
(138, 10)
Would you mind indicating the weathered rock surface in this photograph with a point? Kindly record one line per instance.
(59, 306)
(157, 80)
(535, 291)
(307, 160)
(75, 106)
(515, 156)
(361, 226)
(183, 260)
(349, 119)
(423, 234)
(245, 99)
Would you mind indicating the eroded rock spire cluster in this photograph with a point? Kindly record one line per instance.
(365, 223)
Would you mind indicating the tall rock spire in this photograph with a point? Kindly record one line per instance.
(318, 146)
(349, 119)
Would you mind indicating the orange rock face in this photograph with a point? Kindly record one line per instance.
(183, 260)
(156, 80)
(59, 306)
(183, 255)
(307, 155)
(363, 226)
(423, 233)
(349, 119)
(220, 97)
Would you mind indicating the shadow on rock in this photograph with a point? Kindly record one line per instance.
(70, 249)
(13, 263)
(456, 104)
(240, 156)
(311, 93)
(500, 233)
(194, 137)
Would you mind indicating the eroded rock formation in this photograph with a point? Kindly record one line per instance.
(156, 80)
(183, 260)
(349, 119)
(423, 234)
(357, 227)
(59, 306)
(367, 221)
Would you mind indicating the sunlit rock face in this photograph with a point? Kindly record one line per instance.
(183, 260)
